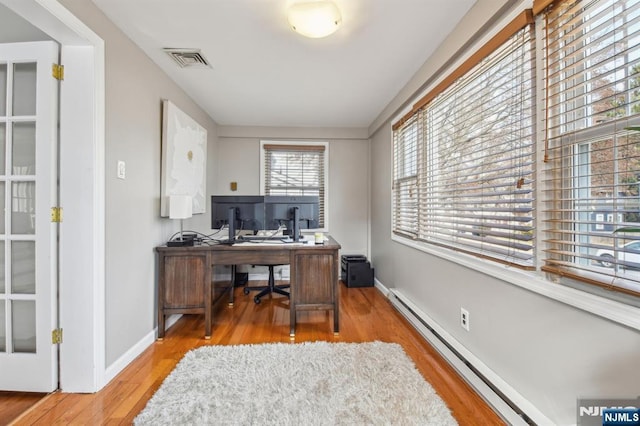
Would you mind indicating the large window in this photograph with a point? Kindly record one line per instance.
(295, 169)
(463, 159)
(466, 172)
(593, 160)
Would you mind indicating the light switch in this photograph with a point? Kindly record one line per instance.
(122, 169)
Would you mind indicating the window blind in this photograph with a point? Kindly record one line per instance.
(296, 170)
(405, 182)
(474, 171)
(592, 55)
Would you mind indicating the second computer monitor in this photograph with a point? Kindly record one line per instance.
(246, 214)
(279, 212)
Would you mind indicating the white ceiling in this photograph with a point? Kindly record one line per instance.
(264, 74)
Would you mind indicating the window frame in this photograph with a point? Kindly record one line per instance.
(405, 180)
(294, 143)
(582, 116)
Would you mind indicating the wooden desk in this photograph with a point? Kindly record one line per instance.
(186, 273)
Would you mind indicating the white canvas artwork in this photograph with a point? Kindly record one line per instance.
(184, 158)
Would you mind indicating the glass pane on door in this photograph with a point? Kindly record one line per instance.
(23, 208)
(24, 89)
(24, 325)
(23, 157)
(2, 211)
(23, 267)
(3, 332)
(2, 279)
(3, 89)
(3, 144)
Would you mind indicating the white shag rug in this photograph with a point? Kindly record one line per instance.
(315, 383)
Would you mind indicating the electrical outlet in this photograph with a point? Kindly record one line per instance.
(464, 318)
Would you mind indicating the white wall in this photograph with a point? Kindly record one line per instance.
(239, 161)
(549, 352)
(15, 29)
(135, 87)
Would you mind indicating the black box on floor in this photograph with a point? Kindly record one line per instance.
(356, 271)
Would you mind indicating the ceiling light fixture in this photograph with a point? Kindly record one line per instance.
(314, 19)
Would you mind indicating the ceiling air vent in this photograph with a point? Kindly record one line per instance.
(188, 58)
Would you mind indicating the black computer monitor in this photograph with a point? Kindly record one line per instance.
(292, 212)
(238, 212)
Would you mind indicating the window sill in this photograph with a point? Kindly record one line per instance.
(618, 312)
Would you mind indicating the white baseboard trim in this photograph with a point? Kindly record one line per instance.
(445, 344)
(121, 363)
(383, 289)
(260, 277)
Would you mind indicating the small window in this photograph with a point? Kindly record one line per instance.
(295, 168)
(405, 182)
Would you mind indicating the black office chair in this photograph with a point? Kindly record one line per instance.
(270, 288)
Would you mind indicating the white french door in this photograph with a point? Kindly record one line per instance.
(28, 238)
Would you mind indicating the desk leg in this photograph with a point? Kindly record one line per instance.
(233, 284)
(292, 329)
(208, 307)
(336, 295)
(161, 284)
(293, 286)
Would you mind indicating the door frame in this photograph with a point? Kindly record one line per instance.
(82, 193)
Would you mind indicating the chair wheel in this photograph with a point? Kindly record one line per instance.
(256, 300)
(245, 291)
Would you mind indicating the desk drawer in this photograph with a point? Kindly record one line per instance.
(249, 257)
(315, 279)
(184, 278)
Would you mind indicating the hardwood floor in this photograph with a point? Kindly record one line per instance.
(12, 404)
(365, 315)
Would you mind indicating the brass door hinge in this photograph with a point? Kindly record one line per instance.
(56, 336)
(56, 214)
(57, 71)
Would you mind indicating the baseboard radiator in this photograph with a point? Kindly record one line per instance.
(514, 409)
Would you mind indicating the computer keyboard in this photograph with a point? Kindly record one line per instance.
(261, 237)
